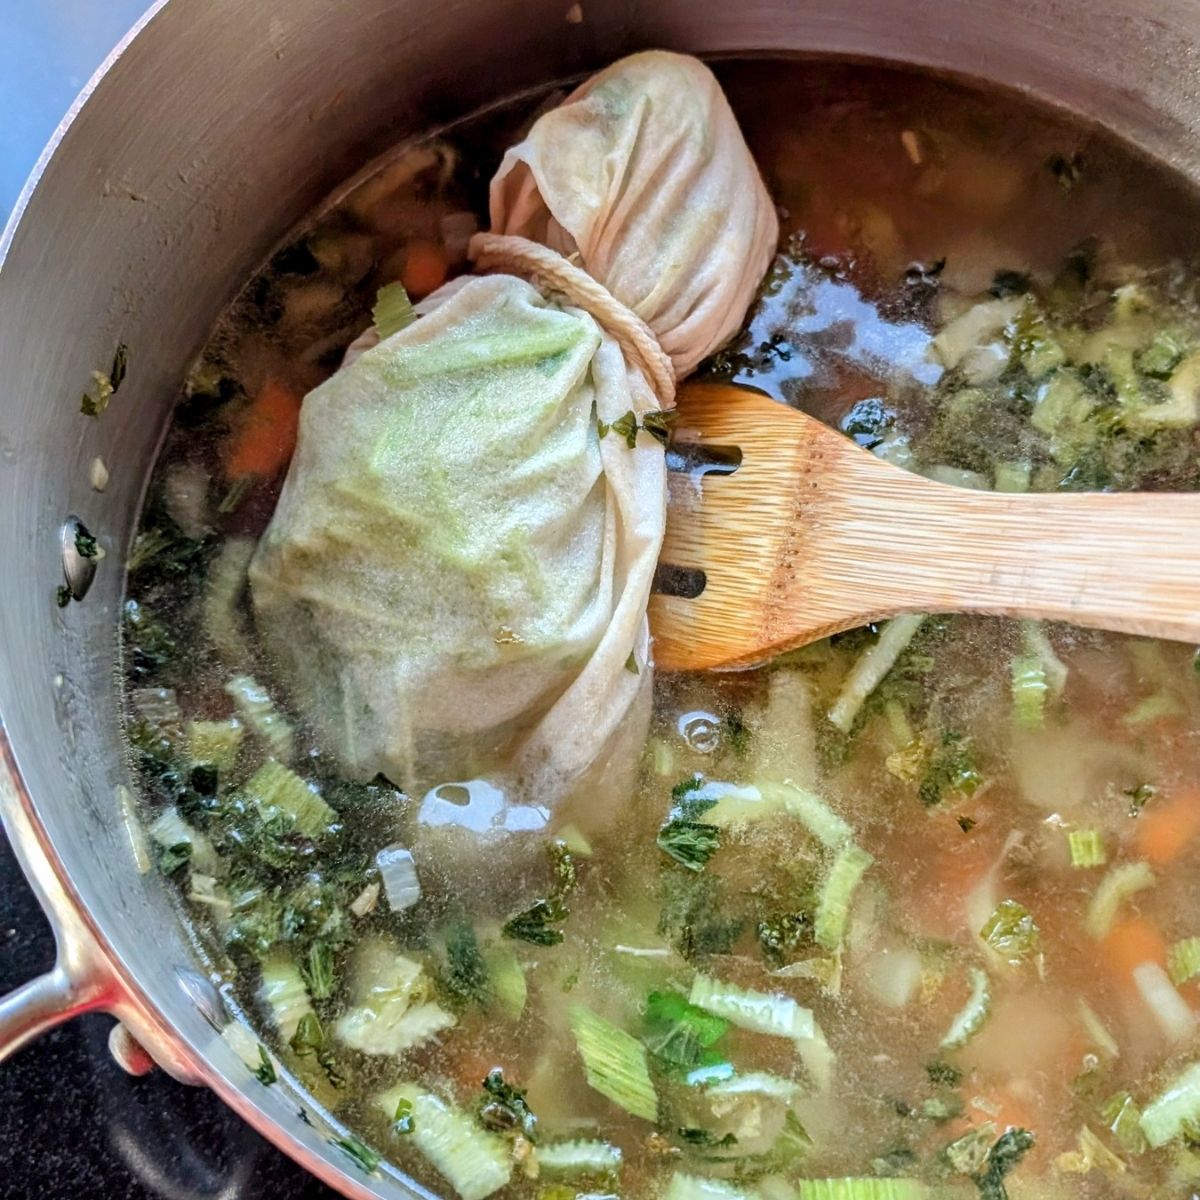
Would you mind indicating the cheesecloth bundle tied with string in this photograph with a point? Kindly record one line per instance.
(456, 576)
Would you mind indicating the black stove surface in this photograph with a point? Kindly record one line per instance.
(73, 1124)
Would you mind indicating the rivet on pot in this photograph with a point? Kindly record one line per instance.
(128, 1052)
(79, 556)
(204, 994)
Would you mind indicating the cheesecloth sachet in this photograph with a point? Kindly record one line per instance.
(455, 579)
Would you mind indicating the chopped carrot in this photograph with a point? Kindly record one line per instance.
(1131, 942)
(1167, 827)
(424, 268)
(263, 442)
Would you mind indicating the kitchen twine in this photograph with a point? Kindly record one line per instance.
(548, 270)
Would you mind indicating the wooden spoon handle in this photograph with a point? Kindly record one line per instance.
(1127, 562)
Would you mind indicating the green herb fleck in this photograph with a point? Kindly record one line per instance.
(309, 1039)
(318, 971)
(631, 664)
(465, 977)
(689, 843)
(1008, 1151)
(966, 824)
(403, 1121)
(503, 1109)
(704, 1138)
(535, 924)
(626, 427)
(681, 1035)
(943, 1074)
(360, 1154)
(1139, 797)
(171, 858)
(265, 1071)
(737, 734)
(120, 366)
(659, 423)
(62, 595)
(86, 545)
(951, 771)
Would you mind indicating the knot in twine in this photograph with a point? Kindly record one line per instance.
(551, 272)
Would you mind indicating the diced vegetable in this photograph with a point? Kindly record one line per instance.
(833, 904)
(1087, 848)
(679, 1033)
(507, 980)
(1118, 886)
(476, 1163)
(862, 1189)
(811, 811)
(257, 709)
(762, 1012)
(275, 789)
(399, 874)
(968, 1154)
(973, 1014)
(390, 1013)
(265, 436)
(1096, 1030)
(1092, 1154)
(1171, 1012)
(393, 310)
(1037, 643)
(1029, 690)
(226, 584)
(1012, 477)
(694, 1187)
(1184, 960)
(1123, 1119)
(580, 1159)
(1169, 826)
(215, 743)
(614, 1063)
(170, 832)
(869, 671)
(283, 991)
(1175, 1110)
(1010, 931)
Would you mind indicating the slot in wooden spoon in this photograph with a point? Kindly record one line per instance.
(811, 535)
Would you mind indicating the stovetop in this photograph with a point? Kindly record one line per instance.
(72, 1123)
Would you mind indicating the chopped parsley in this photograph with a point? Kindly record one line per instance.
(1008, 1151)
(403, 1120)
(536, 924)
(265, 1071)
(359, 1153)
(502, 1108)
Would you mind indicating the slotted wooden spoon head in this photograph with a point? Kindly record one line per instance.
(811, 535)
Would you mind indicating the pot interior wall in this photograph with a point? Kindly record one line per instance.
(213, 133)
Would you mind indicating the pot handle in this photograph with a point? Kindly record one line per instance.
(38, 1005)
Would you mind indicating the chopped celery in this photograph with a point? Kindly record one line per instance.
(1153, 708)
(1184, 960)
(1037, 643)
(973, 1014)
(1092, 1154)
(283, 991)
(1124, 1121)
(475, 1162)
(811, 811)
(614, 1063)
(1011, 932)
(580, 1159)
(170, 832)
(957, 477)
(223, 619)
(1029, 690)
(389, 1011)
(507, 979)
(833, 904)
(757, 1083)
(159, 708)
(862, 1189)
(1170, 1010)
(215, 743)
(761, 1012)
(693, 1187)
(393, 310)
(1012, 477)
(1175, 1111)
(1096, 1030)
(869, 671)
(968, 1154)
(258, 710)
(275, 789)
(1087, 848)
(1115, 888)
(818, 1058)
(1163, 354)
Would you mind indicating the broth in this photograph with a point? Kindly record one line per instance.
(975, 878)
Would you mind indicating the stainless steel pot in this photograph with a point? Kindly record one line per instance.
(208, 133)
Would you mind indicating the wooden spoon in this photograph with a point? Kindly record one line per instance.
(811, 535)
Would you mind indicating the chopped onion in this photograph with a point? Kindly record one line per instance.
(1172, 1012)
(399, 872)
